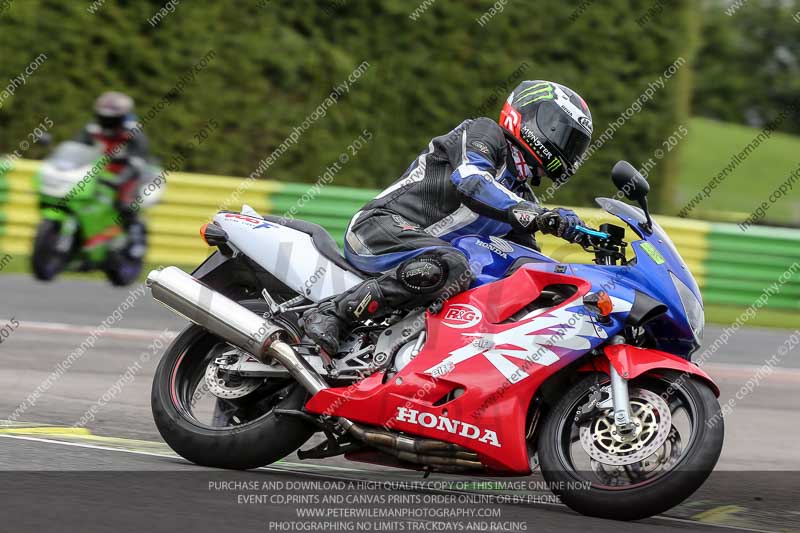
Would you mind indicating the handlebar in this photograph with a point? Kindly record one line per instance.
(607, 247)
(552, 225)
(592, 240)
(589, 236)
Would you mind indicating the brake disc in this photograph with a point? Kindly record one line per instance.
(652, 422)
(221, 387)
(664, 459)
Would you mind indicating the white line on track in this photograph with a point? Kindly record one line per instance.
(683, 521)
(91, 446)
(162, 455)
(112, 332)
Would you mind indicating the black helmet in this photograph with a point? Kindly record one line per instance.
(550, 123)
(112, 108)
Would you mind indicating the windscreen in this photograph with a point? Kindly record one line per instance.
(659, 239)
(71, 155)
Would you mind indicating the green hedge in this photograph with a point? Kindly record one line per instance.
(748, 67)
(275, 61)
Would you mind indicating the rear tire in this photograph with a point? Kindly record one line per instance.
(641, 499)
(257, 443)
(46, 263)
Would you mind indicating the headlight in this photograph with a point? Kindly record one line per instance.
(692, 307)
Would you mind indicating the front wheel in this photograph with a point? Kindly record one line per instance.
(46, 261)
(597, 471)
(122, 270)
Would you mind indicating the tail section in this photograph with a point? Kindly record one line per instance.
(287, 253)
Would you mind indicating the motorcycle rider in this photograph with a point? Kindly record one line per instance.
(120, 137)
(473, 180)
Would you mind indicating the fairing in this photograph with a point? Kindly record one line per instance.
(633, 216)
(656, 257)
(73, 193)
(497, 363)
(70, 164)
(632, 361)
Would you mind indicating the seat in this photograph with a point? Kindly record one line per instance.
(322, 240)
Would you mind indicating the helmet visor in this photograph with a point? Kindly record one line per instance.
(110, 122)
(563, 132)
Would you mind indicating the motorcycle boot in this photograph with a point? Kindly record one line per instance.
(327, 323)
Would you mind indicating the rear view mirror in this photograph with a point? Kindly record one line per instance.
(634, 186)
(44, 139)
(628, 180)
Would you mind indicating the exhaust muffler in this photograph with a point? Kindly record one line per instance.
(230, 321)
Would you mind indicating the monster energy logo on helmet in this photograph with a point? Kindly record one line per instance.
(535, 93)
(539, 148)
(553, 164)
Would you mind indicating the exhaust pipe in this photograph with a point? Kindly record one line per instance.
(381, 438)
(230, 321)
(418, 450)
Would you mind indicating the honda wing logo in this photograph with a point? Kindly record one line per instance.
(501, 244)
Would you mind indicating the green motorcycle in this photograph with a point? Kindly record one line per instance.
(80, 228)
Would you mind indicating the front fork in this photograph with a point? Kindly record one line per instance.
(620, 401)
(67, 235)
(68, 228)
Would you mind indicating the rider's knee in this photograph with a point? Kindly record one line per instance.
(435, 272)
(460, 275)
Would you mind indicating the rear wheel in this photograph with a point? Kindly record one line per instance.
(241, 431)
(46, 261)
(599, 472)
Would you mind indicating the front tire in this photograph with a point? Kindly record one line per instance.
(260, 438)
(46, 262)
(123, 270)
(657, 481)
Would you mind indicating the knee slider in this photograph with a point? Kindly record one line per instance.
(424, 274)
(430, 272)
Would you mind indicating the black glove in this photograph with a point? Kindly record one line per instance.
(560, 222)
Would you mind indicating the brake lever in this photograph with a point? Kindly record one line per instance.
(590, 239)
(602, 235)
(582, 240)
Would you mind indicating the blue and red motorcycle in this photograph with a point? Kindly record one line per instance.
(583, 370)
